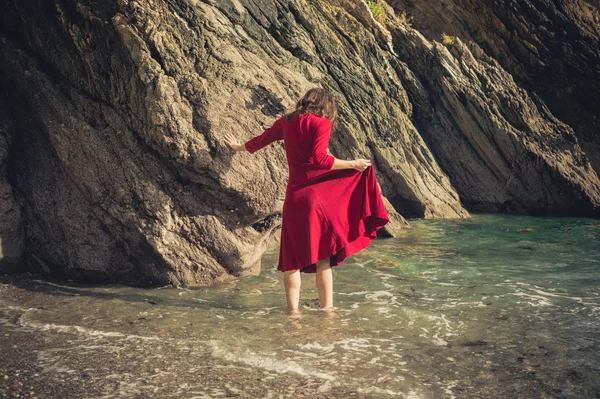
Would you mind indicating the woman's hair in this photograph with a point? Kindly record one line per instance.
(317, 101)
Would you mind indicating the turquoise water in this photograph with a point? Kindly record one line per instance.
(492, 306)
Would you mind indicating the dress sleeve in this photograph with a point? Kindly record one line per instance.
(322, 132)
(270, 135)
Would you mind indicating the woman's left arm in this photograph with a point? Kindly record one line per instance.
(270, 135)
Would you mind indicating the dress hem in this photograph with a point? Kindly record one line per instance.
(363, 241)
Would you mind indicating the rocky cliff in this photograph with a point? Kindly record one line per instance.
(550, 48)
(112, 165)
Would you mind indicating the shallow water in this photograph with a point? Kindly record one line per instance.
(492, 306)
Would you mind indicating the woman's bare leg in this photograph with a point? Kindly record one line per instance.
(291, 280)
(325, 283)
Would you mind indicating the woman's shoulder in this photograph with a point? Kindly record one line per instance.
(317, 119)
(307, 116)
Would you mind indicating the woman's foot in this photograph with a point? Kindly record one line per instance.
(329, 311)
(294, 315)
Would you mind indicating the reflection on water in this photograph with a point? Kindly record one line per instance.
(492, 306)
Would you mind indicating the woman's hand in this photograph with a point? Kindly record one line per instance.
(361, 164)
(234, 143)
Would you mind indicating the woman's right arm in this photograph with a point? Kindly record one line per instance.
(321, 154)
(358, 164)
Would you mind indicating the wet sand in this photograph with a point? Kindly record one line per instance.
(70, 362)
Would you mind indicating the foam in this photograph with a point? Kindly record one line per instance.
(380, 391)
(375, 295)
(77, 329)
(264, 362)
(564, 296)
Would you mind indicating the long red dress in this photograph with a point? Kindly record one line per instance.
(326, 213)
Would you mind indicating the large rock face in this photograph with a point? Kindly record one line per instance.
(551, 49)
(121, 171)
(513, 153)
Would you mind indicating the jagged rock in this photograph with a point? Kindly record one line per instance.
(394, 227)
(120, 167)
(551, 48)
(502, 149)
(125, 177)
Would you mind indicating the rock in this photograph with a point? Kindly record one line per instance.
(120, 172)
(526, 247)
(551, 49)
(125, 157)
(314, 303)
(478, 342)
(503, 150)
(394, 227)
(11, 223)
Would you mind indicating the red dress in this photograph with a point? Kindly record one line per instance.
(326, 213)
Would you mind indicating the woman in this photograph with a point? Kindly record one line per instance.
(332, 207)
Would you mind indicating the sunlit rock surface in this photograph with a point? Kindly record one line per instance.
(119, 166)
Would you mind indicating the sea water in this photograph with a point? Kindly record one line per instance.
(492, 306)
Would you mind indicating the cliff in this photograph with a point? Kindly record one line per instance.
(112, 165)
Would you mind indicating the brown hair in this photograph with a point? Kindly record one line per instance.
(317, 101)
